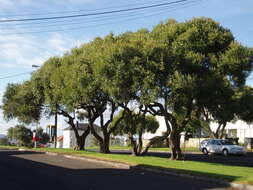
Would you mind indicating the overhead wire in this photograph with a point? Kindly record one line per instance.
(80, 10)
(92, 14)
(15, 75)
(129, 17)
(93, 19)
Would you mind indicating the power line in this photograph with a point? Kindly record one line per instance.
(92, 14)
(33, 24)
(89, 26)
(16, 75)
(81, 10)
(70, 22)
(91, 20)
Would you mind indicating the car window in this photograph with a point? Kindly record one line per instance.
(226, 142)
(210, 142)
(216, 143)
(204, 142)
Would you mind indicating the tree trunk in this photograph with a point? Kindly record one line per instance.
(104, 146)
(176, 153)
(140, 143)
(133, 145)
(222, 130)
(80, 141)
(155, 140)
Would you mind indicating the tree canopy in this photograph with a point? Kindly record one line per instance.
(176, 70)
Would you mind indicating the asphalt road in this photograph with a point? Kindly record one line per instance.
(29, 170)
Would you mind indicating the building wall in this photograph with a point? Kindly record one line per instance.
(162, 128)
(69, 139)
(239, 129)
(59, 144)
(66, 139)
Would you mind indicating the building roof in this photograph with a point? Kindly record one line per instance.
(82, 127)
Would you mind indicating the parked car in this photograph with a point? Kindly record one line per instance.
(220, 146)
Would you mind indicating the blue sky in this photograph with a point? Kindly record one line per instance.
(22, 45)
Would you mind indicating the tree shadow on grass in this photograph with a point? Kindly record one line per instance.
(231, 160)
(30, 170)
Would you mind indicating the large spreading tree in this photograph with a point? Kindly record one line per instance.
(177, 70)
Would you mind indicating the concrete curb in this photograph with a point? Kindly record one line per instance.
(116, 164)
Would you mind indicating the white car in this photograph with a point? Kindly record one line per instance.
(220, 146)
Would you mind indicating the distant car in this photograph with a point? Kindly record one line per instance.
(220, 146)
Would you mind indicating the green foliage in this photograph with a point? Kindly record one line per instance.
(135, 123)
(4, 141)
(43, 137)
(20, 135)
(182, 71)
(21, 101)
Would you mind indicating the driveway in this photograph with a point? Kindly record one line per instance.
(29, 170)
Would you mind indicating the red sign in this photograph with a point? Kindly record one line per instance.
(35, 138)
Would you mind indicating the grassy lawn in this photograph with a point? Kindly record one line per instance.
(9, 147)
(224, 172)
(164, 149)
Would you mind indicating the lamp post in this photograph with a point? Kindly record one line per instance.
(35, 66)
(55, 119)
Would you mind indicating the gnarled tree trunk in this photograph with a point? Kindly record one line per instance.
(153, 141)
(176, 153)
(133, 145)
(104, 147)
(80, 140)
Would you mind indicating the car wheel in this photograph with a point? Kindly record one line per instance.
(205, 151)
(225, 152)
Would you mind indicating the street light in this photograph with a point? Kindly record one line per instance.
(55, 119)
(35, 66)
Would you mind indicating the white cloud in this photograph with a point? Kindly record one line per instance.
(19, 51)
(5, 3)
(23, 51)
(58, 43)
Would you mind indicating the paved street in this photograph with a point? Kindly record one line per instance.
(29, 170)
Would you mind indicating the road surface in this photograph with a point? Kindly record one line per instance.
(36, 171)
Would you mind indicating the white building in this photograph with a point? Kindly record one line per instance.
(239, 129)
(159, 132)
(69, 138)
(60, 142)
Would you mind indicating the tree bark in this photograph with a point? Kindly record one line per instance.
(133, 145)
(176, 153)
(154, 140)
(105, 146)
(140, 144)
(80, 140)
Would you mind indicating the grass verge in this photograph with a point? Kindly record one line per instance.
(236, 174)
(163, 149)
(9, 147)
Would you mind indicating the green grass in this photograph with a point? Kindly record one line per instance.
(164, 149)
(9, 147)
(224, 172)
